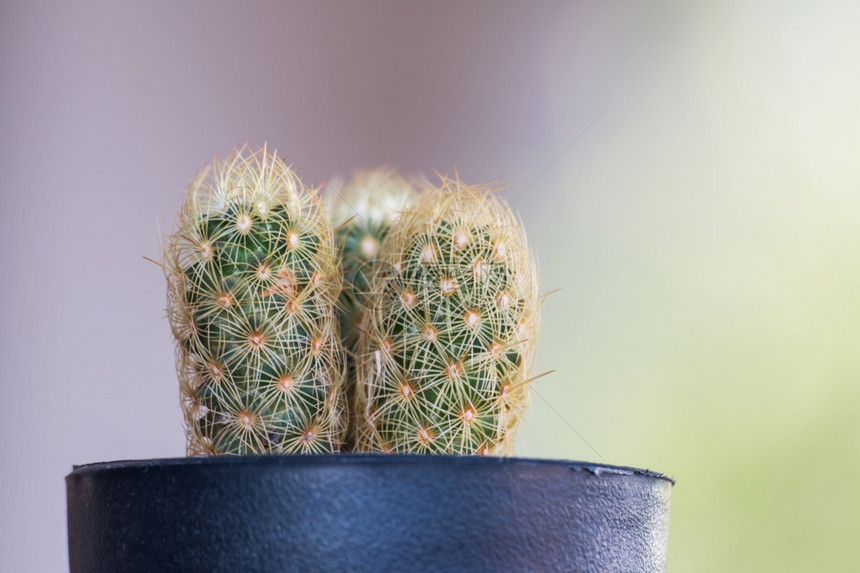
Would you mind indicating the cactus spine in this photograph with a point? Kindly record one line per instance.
(253, 278)
(451, 327)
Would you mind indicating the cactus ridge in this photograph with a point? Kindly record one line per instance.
(253, 280)
(451, 325)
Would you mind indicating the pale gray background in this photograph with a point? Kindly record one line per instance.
(704, 231)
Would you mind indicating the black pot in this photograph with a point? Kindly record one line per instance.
(365, 513)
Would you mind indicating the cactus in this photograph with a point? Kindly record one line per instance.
(253, 280)
(365, 208)
(452, 321)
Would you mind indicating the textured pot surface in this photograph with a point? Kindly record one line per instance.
(365, 513)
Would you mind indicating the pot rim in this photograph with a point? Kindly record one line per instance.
(598, 469)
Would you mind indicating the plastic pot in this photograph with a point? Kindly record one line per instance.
(365, 513)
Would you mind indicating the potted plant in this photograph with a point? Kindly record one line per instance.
(362, 424)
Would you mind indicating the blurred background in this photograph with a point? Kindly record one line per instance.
(687, 172)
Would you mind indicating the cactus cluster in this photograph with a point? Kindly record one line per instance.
(253, 279)
(413, 323)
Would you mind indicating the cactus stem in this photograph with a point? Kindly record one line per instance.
(459, 312)
(253, 281)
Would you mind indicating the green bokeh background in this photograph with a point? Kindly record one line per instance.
(708, 250)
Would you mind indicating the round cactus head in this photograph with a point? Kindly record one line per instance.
(253, 279)
(451, 326)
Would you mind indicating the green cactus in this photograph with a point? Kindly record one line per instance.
(253, 279)
(451, 324)
(363, 210)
